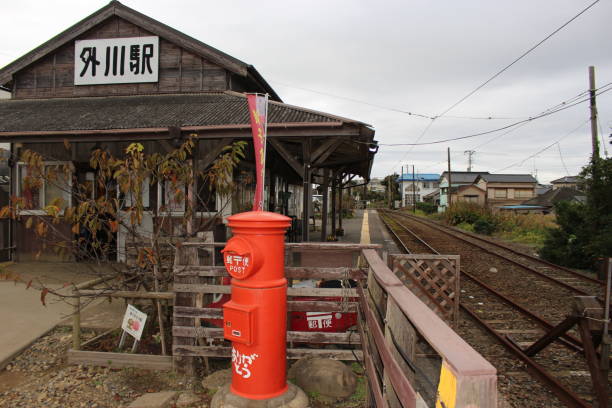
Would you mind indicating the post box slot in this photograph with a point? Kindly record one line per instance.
(238, 322)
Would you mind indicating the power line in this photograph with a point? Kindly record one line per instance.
(539, 116)
(523, 55)
(392, 109)
(498, 73)
(520, 162)
(561, 157)
(570, 100)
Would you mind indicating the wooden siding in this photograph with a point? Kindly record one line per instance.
(179, 70)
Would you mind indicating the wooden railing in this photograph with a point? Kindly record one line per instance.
(412, 357)
(434, 279)
(196, 285)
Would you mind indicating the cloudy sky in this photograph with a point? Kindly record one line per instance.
(369, 60)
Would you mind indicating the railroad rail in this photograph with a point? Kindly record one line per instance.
(561, 272)
(476, 292)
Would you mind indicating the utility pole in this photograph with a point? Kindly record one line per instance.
(470, 153)
(592, 90)
(413, 191)
(450, 196)
(389, 191)
(401, 184)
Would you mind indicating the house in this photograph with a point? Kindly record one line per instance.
(544, 204)
(468, 193)
(376, 185)
(119, 77)
(542, 188)
(417, 187)
(506, 189)
(567, 181)
(458, 178)
(433, 197)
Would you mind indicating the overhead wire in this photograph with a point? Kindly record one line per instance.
(512, 125)
(520, 57)
(565, 102)
(498, 73)
(392, 109)
(520, 162)
(562, 160)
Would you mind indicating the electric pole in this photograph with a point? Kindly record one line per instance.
(413, 191)
(592, 90)
(401, 184)
(450, 196)
(470, 153)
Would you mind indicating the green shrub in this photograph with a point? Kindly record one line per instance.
(484, 226)
(465, 212)
(427, 208)
(465, 226)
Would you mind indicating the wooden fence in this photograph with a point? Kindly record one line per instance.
(434, 279)
(196, 285)
(412, 358)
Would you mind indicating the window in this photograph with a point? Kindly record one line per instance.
(129, 199)
(173, 197)
(41, 190)
(523, 193)
(501, 193)
(470, 198)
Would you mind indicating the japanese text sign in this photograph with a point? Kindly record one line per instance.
(116, 60)
(133, 322)
(258, 111)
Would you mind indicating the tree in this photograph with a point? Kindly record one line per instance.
(584, 231)
(391, 183)
(118, 205)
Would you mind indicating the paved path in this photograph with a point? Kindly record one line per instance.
(24, 318)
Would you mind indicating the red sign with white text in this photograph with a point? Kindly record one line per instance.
(258, 111)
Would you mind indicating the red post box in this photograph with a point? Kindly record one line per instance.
(255, 319)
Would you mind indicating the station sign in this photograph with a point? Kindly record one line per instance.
(116, 60)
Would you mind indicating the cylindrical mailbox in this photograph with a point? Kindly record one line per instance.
(255, 319)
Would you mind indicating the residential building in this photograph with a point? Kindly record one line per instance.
(542, 188)
(417, 187)
(567, 181)
(458, 178)
(469, 193)
(506, 189)
(544, 204)
(376, 185)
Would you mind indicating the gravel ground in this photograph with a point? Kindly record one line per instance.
(40, 377)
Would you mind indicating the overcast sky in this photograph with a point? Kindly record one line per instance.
(416, 56)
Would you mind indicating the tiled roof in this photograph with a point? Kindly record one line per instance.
(144, 111)
(551, 197)
(509, 178)
(464, 177)
(566, 179)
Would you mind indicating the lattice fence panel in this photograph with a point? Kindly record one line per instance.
(434, 279)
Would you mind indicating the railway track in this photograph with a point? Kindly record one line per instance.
(492, 303)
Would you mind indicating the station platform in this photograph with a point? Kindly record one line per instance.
(365, 227)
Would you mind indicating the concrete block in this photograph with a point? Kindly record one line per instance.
(162, 399)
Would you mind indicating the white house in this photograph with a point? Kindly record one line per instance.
(417, 187)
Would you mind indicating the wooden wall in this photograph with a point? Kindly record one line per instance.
(179, 70)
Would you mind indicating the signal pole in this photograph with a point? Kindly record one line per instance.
(592, 90)
(470, 153)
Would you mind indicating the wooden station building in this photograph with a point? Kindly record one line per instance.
(119, 76)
